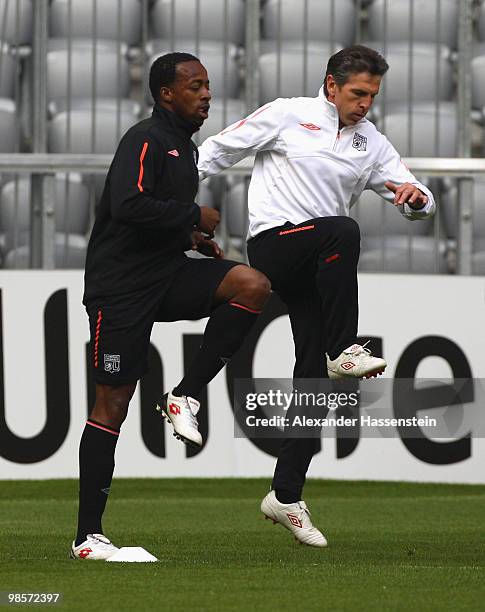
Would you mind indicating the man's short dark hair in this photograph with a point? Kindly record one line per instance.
(354, 60)
(164, 69)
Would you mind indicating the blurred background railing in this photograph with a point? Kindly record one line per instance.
(73, 78)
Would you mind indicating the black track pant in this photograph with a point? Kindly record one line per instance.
(313, 268)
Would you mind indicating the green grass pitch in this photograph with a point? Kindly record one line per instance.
(392, 546)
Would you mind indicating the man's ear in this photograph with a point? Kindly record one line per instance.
(166, 94)
(331, 85)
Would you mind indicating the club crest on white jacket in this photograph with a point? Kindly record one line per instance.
(305, 167)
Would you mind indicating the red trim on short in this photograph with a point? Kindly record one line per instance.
(96, 338)
(245, 308)
(297, 229)
(332, 258)
(142, 157)
(103, 427)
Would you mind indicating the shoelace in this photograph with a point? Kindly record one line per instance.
(104, 542)
(301, 513)
(192, 418)
(361, 349)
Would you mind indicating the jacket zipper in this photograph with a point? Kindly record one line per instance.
(336, 140)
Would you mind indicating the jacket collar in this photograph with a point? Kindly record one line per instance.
(177, 122)
(330, 108)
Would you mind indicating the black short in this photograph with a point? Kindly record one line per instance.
(121, 325)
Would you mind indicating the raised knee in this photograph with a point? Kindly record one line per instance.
(349, 228)
(111, 407)
(256, 284)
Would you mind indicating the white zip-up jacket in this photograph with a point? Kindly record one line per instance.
(305, 167)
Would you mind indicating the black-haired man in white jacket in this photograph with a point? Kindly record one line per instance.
(314, 157)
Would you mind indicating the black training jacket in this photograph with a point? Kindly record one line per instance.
(147, 209)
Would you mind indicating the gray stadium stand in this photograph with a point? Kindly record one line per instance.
(391, 243)
(71, 206)
(111, 22)
(326, 20)
(481, 21)
(220, 116)
(296, 71)
(418, 72)
(71, 211)
(478, 82)
(427, 131)
(8, 69)
(110, 72)
(450, 207)
(73, 132)
(434, 21)
(235, 205)
(9, 127)
(86, 104)
(13, 12)
(205, 196)
(179, 20)
(220, 60)
(70, 253)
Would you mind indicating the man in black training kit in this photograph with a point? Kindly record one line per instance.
(137, 273)
(314, 157)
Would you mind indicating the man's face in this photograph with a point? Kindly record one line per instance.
(354, 99)
(189, 94)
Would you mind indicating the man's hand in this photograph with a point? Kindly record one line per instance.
(407, 193)
(209, 219)
(204, 245)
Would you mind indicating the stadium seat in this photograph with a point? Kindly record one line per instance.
(220, 60)
(221, 115)
(326, 20)
(450, 206)
(205, 196)
(478, 82)
(434, 21)
(235, 204)
(9, 126)
(8, 70)
(179, 20)
(17, 11)
(430, 76)
(283, 74)
(73, 132)
(111, 73)
(392, 243)
(481, 21)
(425, 132)
(71, 209)
(125, 105)
(111, 23)
(70, 253)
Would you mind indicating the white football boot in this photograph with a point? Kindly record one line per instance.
(355, 362)
(295, 517)
(181, 413)
(96, 547)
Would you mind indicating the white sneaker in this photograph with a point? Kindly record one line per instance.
(181, 413)
(96, 547)
(295, 517)
(355, 362)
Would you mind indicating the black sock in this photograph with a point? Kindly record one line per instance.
(286, 497)
(225, 331)
(96, 465)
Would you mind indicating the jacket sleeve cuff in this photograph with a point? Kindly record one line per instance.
(196, 214)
